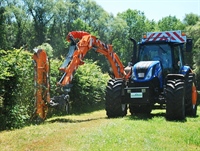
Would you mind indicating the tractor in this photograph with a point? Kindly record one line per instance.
(159, 78)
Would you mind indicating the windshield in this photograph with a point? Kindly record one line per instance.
(156, 52)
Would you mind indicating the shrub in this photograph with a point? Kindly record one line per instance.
(47, 47)
(197, 66)
(54, 75)
(16, 85)
(89, 85)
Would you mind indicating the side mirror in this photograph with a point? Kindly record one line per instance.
(189, 45)
(134, 50)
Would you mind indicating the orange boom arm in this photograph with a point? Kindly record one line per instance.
(86, 43)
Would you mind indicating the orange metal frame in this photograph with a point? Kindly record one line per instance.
(42, 86)
(86, 43)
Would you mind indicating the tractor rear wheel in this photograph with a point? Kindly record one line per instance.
(190, 109)
(175, 106)
(114, 108)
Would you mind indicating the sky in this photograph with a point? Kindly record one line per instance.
(153, 9)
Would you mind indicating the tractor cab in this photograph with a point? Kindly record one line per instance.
(169, 55)
(167, 48)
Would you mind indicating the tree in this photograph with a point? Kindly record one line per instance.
(193, 32)
(170, 23)
(66, 12)
(94, 20)
(3, 42)
(135, 24)
(41, 13)
(95, 17)
(117, 34)
(16, 13)
(191, 19)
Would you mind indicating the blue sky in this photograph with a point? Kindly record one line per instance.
(153, 9)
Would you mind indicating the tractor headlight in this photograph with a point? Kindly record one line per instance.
(149, 74)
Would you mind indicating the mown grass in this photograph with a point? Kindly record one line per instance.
(95, 132)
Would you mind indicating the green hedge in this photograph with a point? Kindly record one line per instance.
(89, 85)
(17, 87)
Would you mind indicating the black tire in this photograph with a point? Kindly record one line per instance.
(175, 105)
(190, 109)
(113, 99)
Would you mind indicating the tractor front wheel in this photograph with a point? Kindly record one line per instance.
(114, 107)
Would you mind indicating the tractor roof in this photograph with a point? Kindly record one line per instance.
(165, 36)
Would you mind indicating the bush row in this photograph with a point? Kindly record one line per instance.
(17, 87)
(89, 85)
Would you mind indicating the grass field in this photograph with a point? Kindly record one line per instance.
(95, 132)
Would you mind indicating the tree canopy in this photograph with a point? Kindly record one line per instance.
(30, 23)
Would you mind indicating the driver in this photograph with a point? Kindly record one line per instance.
(163, 58)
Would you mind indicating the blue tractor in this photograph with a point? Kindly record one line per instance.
(158, 78)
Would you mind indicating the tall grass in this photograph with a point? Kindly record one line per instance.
(95, 132)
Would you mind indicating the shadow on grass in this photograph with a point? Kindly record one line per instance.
(88, 108)
(64, 120)
(146, 117)
(101, 106)
(77, 110)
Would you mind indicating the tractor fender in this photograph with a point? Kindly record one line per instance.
(185, 70)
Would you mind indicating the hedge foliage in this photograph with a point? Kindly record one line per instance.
(89, 85)
(17, 87)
